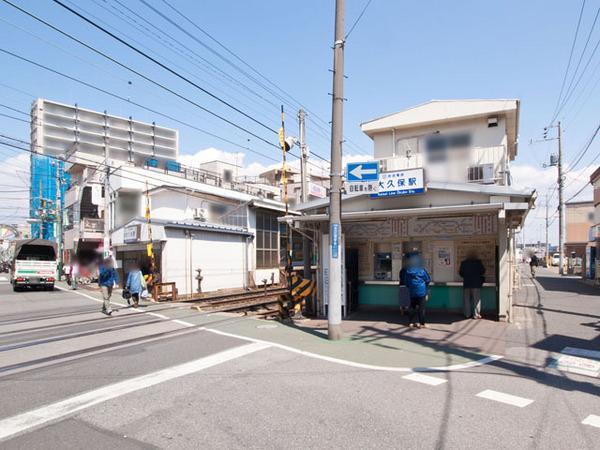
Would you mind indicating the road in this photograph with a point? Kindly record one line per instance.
(159, 377)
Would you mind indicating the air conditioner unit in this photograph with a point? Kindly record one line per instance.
(483, 173)
(201, 214)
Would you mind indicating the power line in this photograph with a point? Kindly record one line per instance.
(14, 118)
(570, 56)
(156, 83)
(164, 66)
(14, 109)
(206, 61)
(290, 101)
(570, 90)
(362, 13)
(584, 149)
(112, 94)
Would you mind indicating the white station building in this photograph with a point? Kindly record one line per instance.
(443, 189)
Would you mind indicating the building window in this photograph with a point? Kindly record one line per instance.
(267, 249)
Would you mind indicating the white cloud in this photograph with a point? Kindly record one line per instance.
(212, 154)
(255, 168)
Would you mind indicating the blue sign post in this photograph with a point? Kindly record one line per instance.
(362, 171)
(335, 240)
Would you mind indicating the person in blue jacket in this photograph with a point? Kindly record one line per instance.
(135, 284)
(416, 279)
(107, 279)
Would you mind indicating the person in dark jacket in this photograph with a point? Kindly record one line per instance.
(534, 262)
(416, 279)
(473, 275)
(107, 279)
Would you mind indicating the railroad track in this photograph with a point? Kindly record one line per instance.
(238, 301)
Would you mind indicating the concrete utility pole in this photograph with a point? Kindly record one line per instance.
(561, 205)
(547, 204)
(106, 243)
(304, 174)
(334, 312)
(59, 219)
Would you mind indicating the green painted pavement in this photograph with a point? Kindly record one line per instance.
(408, 350)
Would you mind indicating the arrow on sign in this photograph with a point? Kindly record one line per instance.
(358, 172)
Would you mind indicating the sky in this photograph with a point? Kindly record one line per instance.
(399, 55)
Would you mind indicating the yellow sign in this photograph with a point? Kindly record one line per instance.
(149, 249)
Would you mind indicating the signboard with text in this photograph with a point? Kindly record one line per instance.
(401, 182)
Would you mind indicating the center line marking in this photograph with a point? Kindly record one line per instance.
(425, 379)
(592, 420)
(505, 398)
(36, 418)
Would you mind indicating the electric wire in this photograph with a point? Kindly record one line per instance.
(139, 105)
(362, 13)
(324, 129)
(156, 83)
(164, 66)
(91, 86)
(573, 87)
(570, 57)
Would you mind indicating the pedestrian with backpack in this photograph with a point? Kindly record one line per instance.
(416, 279)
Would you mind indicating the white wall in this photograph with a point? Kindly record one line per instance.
(220, 256)
(488, 145)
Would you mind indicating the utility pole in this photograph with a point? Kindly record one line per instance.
(561, 205)
(59, 218)
(547, 205)
(304, 174)
(334, 311)
(106, 243)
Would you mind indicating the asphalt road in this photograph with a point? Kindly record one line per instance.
(71, 377)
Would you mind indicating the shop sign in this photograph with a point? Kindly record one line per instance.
(131, 233)
(401, 182)
(317, 191)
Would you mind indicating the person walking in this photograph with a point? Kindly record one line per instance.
(473, 275)
(416, 279)
(74, 275)
(135, 284)
(533, 264)
(107, 279)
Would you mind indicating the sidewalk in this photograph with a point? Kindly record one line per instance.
(376, 345)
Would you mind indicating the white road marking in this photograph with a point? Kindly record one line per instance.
(345, 362)
(425, 379)
(592, 420)
(505, 398)
(575, 351)
(467, 365)
(33, 419)
(182, 322)
(529, 285)
(160, 316)
(575, 364)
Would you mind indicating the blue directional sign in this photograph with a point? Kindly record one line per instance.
(362, 171)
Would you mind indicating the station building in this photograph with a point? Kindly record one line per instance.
(443, 189)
